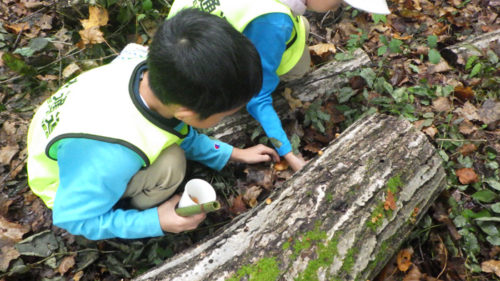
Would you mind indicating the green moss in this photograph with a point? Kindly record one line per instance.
(349, 260)
(393, 185)
(264, 270)
(329, 197)
(306, 241)
(325, 255)
(286, 245)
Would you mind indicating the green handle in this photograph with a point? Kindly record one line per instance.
(198, 208)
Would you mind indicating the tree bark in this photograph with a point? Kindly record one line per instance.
(334, 219)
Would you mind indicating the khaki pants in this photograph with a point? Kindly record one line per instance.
(158, 182)
(304, 64)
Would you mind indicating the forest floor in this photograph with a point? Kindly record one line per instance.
(452, 99)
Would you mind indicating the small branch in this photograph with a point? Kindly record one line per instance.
(472, 140)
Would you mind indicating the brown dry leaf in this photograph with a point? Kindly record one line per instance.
(91, 35)
(251, 194)
(464, 93)
(292, 102)
(467, 128)
(70, 70)
(441, 215)
(260, 176)
(7, 153)
(323, 49)
(45, 22)
(281, 166)
(97, 17)
(11, 232)
(238, 206)
(66, 264)
(489, 112)
(491, 266)
(48, 77)
(78, 276)
(466, 175)
(404, 259)
(17, 27)
(7, 254)
(467, 149)
(413, 275)
(430, 131)
(389, 203)
(441, 104)
(441, 67)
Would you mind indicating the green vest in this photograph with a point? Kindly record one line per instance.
(241, 12)
(97, 104)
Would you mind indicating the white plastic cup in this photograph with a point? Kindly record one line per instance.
(199, 190)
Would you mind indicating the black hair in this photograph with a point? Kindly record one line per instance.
(200, 61)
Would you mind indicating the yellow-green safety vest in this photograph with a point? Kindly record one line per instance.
(97, 104)
(240, 13)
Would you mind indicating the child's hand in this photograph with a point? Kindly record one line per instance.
(170, 221)
(295, 162)
(255, 154)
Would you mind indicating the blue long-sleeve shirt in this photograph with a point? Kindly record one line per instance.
(269, 34)
(94, 175)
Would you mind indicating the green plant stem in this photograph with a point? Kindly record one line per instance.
(198, 209)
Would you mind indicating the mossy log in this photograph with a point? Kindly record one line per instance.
(341, 217)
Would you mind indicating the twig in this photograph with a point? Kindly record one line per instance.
(4, 179)
(446, 258)
(10, 79)
(14, 46)
(473, 140)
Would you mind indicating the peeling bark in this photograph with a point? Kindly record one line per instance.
(328, 221)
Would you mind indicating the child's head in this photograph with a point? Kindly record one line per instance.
(199, 61)
(371, 6)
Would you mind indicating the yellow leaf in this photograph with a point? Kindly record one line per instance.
(323, 49)
(97, 17)
(92, 35)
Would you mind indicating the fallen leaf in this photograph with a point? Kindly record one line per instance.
(430, 131)
(491, 266)
(389, 203)
(464, 93)
(441, 67)
(78, 276)
(404, 259)
(18, 27)
(292, 102)
(441, 104)
(323, 49)
(7, 254)
(91, 35)
(10, 232)
(281, 166)
(97, 17)
(467, 149)
(238, 206)
(413, 275)
(7, 153)
(259, 176)
(489, 112)
(45, 22)
(70, 70)
(251, 194)
(466, 127)
(66, 264)
(466, 175)
(468, 111)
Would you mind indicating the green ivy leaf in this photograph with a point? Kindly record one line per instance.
(395, 46)
(494, 240)
(369, 75)
(475, 70)
(381, 50)
(379, 18)
(432, 41)
(496, 208)
(147, 5)
(434, 56)
(484, 195)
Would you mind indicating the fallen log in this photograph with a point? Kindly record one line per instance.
(341, 217)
